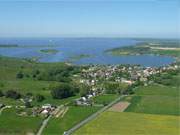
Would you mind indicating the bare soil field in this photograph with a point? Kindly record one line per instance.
(119, 107)
(165, 48)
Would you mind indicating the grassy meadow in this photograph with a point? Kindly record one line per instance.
(11, 124)
(75, 114)
(131, 124)
(105, 99)
(156, 99)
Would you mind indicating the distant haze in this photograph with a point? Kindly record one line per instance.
(89, 18)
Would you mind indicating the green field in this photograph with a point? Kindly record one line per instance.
(158, 90)
(75, 114)
(105, 99)
(131, 124)
(11, 124)
(156, 99)
(9, 67)
(166, 105)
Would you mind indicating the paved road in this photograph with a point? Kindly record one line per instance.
(92, 117)
(44, 124)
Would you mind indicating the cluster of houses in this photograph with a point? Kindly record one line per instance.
(85, 100)
(44, 110)
(97, 73)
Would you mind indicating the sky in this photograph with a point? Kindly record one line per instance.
(89, 18)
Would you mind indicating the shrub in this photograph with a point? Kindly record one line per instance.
(39, 98)
(1, 94)
(19, 75)
(12, 94)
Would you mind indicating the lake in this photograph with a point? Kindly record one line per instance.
(72, 47)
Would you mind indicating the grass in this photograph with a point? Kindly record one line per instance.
(131, 124)
(155, 99)
(105, 99)
(166, 105)
(158, 90)
(75, 114)
(9, 67)
(10, 123)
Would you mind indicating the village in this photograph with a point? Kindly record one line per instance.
(95, 77)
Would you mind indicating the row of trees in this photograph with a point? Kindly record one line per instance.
(60, 74)
(16, 95)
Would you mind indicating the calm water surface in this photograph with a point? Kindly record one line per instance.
(69, 47)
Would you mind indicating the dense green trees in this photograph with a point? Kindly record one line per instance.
(115, 88)
(84, 90)
(63, 90)
(60, 74)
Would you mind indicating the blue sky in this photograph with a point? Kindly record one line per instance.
(89, 18)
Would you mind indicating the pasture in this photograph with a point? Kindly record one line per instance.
(166, 105)
(11, 123)
(74, 115)
(123, 123)
(155, 99)
(105, 98)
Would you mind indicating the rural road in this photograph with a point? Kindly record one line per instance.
(92, 116)
(45, 122)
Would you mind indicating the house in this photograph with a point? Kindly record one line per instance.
(45, 111)
(46, 106)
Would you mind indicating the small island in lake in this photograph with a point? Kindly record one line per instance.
(80, 56)
(49, 51)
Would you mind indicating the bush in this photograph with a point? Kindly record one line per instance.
(12, 94)
(1, 94)
(39, 98)
(19, 75)
(27, 104)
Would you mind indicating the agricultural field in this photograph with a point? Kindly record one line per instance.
(105, 99)
(166, 105)
(153, 110)
(156, 99)
(11, 123)
(131, 124)
(74, 115)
